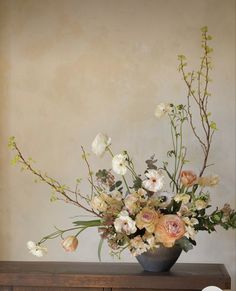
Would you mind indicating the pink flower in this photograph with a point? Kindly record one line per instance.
(70, 243)
(188, 178)
(169, 229)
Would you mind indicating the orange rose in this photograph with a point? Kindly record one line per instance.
(70, 243)
(188, 178)
(169, 229)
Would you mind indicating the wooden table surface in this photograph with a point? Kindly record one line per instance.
(112, 275)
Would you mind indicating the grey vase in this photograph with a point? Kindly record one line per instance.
(159, 260)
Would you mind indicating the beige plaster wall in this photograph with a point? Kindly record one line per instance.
(70, 69)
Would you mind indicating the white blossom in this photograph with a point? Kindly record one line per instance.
(154, 181)
(124, 223)
(119, 164)
(100, 144)
(36, 249)
(162, 109)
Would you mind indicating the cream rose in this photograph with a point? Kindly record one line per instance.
(147, 219)
(98, 204)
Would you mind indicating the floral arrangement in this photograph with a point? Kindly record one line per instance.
(165, 206)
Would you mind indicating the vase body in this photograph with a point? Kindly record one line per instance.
(160, 259)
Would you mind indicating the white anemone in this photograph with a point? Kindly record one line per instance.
(100, 144)
(124, 223)
(119, 164)
(154, 181)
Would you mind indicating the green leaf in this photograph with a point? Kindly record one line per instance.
(213, 125)
(15, 160)
(204, 29)
(11, 142)
(88, 223)
(78, 180)
(185, 244)
(53, 197)
(118, 183)
(181, 57)
(100, 249)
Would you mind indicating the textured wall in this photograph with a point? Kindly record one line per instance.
(70, 69)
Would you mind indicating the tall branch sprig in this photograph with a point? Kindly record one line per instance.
(55, 185)
(200, 80)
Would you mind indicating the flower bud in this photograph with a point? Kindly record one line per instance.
(188, 178)
(70, 243)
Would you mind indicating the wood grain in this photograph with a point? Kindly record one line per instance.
(119, 276)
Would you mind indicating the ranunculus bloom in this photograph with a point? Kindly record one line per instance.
(154, 181)
(70, 243)
(100, 143)
(124, 223)
(147, 219)
(132, 203)
(188, 178)
(112, 204)
(119, 164)
(36, 249)
(162, 109)
(200, 204)
(169, 229)
(99, 204)
(184, 198)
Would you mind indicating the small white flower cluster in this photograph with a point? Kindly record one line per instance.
(36, 250)
(162, 109)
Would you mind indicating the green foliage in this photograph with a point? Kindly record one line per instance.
(213, 125)
(151, 162)
(185, 244)
(89, 223)
(137, 183)
(53, 197)
(15, 160)
(11, 142)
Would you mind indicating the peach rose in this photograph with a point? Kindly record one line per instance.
(169, 229)
(70, 243)
(188, 178)
(147, 218)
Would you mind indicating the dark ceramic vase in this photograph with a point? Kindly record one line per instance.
(159, 260)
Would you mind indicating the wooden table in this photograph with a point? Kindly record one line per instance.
(70, 276)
